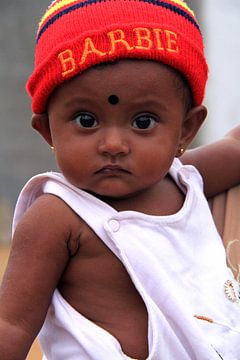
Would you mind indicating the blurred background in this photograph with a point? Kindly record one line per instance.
(23, 153)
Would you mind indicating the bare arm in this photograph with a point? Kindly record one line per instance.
(37, 260)
(218, 163)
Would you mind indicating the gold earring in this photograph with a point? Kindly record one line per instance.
(181, 151)
(53, 149)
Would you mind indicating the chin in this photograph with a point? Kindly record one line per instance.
(114, 195)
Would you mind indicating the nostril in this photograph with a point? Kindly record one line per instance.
(113, 147)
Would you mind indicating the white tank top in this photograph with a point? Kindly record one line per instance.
(177, 263)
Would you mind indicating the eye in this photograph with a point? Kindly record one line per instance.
(145, 121)
(85, 120)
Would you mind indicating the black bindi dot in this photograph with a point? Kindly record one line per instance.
(113, 99)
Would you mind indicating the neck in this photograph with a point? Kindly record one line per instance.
(163, 198)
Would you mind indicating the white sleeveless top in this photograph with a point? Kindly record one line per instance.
(177, 263)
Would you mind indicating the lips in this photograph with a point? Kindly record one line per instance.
(112, 170)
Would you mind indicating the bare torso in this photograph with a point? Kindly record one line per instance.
(97, 285)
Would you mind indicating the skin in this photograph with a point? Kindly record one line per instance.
(122, 157)
(115, 139)
(218, 163)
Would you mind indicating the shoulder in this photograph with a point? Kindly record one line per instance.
(50, 222)
(49, 209)
(187, 172)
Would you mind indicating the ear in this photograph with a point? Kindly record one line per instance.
(191, 124)
(40, 123)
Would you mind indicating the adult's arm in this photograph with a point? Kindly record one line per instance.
(218, 163)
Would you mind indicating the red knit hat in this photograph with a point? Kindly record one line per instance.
(75, 35)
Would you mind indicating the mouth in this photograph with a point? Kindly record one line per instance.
(113, 170)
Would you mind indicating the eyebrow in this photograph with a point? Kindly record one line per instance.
(149, 102)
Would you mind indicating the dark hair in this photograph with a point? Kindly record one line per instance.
(182, 85)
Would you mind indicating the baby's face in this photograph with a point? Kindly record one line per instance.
(117, 128)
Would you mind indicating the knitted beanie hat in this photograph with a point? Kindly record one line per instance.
(75, 35)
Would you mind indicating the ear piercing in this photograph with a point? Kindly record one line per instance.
(113, 99)
(53, 149)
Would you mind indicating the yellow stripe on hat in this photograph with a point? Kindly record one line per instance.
(184, 5)
(54, 8)
(59, 4)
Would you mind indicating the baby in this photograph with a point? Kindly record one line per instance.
(117, 256)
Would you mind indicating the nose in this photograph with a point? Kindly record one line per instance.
(114, 143)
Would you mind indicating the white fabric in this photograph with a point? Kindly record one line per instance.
(177, 263)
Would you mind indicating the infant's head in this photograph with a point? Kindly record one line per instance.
(117, 90)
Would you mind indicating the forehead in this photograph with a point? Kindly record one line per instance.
(126, 78)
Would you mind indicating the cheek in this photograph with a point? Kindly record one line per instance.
(155, 159)
(74, 163)
(147, 164)
(159, 151)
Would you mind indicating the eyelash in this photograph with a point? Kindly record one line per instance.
(145, 119)
(89, 120)
(141, 122)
